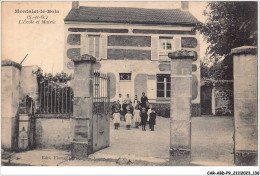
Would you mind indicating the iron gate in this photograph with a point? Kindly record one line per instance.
(101, 111)
(55, 98)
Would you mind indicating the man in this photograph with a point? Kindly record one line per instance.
(144, 99)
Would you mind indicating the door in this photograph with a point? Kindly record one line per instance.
(206, 102)
(125, 88)
(125, 84)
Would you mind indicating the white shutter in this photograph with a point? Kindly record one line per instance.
(177, 43)
(83, 44)
(103, 50)
(86, 43)
(154, 48)
(151, 90)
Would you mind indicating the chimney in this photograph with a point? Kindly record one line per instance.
(185, 5)
(75, 4)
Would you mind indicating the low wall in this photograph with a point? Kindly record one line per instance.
(53, 132)
(162, 109)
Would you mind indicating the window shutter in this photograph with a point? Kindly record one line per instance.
(177, 43)
(103, 45)
(154, 49)
(151, 87)
(86, 43)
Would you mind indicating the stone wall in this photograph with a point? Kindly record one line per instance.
(224, 98)
(53, 132)
(17, 83)
(10, 103)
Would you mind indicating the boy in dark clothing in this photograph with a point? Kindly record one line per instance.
(144, 99)
(152, 119)
(143, 118)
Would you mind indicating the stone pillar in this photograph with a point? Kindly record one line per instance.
(82, 85)
(181, 95)
(245, 105)
(10, 103)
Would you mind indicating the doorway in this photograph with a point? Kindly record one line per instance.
(125, 84)
(206, 101)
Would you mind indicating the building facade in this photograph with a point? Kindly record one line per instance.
(132, 45)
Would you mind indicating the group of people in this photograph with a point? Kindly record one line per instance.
(135, 113)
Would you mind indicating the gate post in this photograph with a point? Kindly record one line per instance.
(82, 85)
(11, 75)
(181, 94)
(245, 105)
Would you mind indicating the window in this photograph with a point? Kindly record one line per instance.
(163, 85)
(94, 45)
(125, 76)
(166, 45)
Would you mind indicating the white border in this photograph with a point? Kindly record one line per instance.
(122, 170)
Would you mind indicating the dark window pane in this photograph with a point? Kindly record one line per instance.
(168, 93)
(160, 78)
(169, 46)
(160, 86)
(125, 76)
(160, 93)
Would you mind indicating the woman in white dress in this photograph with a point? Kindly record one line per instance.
(137, 118)
(116, 118)
(128, 119)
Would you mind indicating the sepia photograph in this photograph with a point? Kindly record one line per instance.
(130, 83)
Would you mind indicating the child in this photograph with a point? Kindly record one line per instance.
(135, 102)
(116, 118)
(143, 118)
(137, 118)
(149, 110)
(152, 119)
(128, 119)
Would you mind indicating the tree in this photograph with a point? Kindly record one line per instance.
(229, 24)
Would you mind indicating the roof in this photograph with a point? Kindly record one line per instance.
(131, 15)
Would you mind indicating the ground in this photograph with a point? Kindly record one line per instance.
(211, 144)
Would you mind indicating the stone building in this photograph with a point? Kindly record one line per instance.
(132, 45)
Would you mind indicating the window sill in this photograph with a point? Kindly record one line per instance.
(124, 80)
(163, 99)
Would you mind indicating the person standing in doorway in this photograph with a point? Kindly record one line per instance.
(120, 99)
(144, 99)
(135, 102)
(128, 99)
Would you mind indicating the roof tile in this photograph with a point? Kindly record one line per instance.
(131, 15)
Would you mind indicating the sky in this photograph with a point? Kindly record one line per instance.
(44, 43)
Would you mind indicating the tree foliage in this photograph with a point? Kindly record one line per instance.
(219, 70)
(229, 24)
